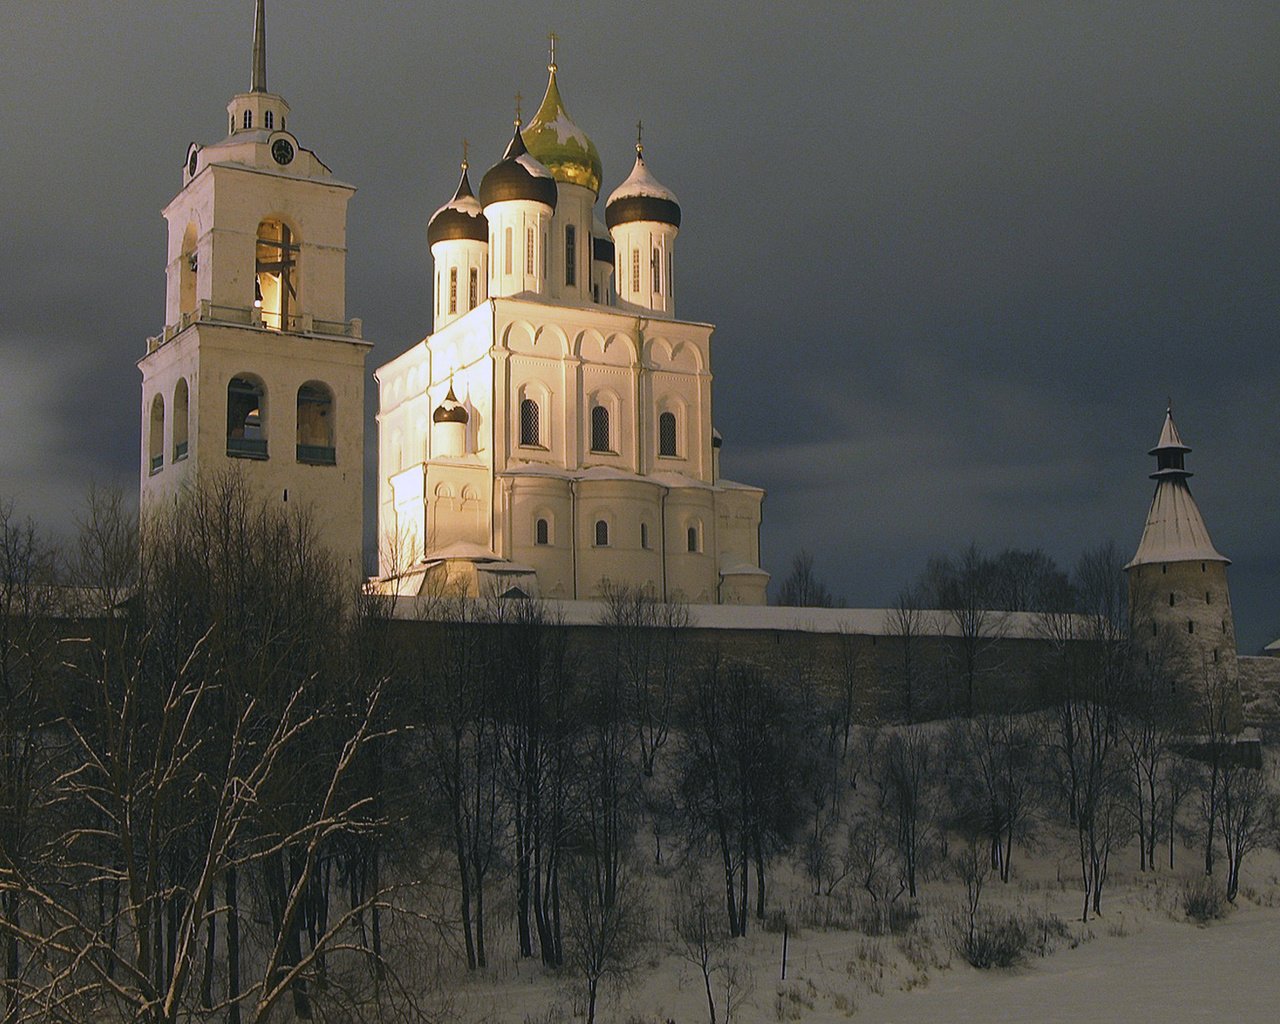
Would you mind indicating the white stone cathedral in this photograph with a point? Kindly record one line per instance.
(553, 434)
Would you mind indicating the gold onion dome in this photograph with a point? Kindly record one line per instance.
(518, 176)
(560, 145)
(460, 218)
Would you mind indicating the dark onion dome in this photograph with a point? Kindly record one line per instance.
(450, 410)
(559, 144)
(517, 176)
(642, 197)
(601, 243)
(460, 218)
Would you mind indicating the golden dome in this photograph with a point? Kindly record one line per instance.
(560, 145)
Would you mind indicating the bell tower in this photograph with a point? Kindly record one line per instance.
(258, 366)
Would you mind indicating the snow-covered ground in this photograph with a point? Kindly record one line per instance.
(1141, 961)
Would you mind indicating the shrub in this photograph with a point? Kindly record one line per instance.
(1203, 900)
(993, 940)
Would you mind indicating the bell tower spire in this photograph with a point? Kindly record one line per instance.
(259, 48)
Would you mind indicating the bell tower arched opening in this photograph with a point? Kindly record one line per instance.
(275, 288)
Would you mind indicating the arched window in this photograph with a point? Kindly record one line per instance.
(542, 532)
(667, 435)
(507, 245)
(187, 271)
(453, 289)
(602, 533)
(269, 119)
(473, 288)
(529, 425)
(528, 251)
(635, 270)
(248, 118)
(315, 425)
(694, 537)
(570, 255)
(600, 429)
(181, 412)
(655, 269)
(246, 418)
(275, 289)
(644, 535)
(155, 435)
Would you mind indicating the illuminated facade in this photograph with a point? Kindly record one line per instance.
(553, 434)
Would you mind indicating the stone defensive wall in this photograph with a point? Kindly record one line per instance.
(1260, 694)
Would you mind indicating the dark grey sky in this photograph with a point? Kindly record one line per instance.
(958, 254)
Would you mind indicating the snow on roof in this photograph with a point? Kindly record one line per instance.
(850, 621)
(641, 183)
(1175, 530)
(532, 166)
(462, 549)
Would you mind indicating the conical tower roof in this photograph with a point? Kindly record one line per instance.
(559, 144)
(1175, 529)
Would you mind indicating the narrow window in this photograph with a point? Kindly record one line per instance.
(667, 434)
(1202, 567)
(570, 254)
(156, 435)
(453, 289)
(644, 535)
(529, 434)
(1215, 655)
(506, 264)
(1155, 629)
(600, 429)
(473, 288)
(671, 276)
(693, 538)
(528, 251)
(1163, 569)
(269, 119)
(602, 533)
(246, 418)
(181, 413)
(1224, 625)
(1170, 600)
(315, 425)
(1208, 597)
(248, 118)
(1191, 626)
(635, 270)
(655, 270)
(595, 293)
(542, 532)
(438, 293)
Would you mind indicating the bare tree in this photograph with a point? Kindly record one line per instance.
(963, 591)
(909, 623)
(802, 588)
(605, 930)
(1249, 815)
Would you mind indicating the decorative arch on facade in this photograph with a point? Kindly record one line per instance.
(620, 350)
(686, 357)
(155, 435)
(551, 341)
(181, 419)
(247, 411)
(519, 337)
(657, 353)
(276, 276)
(317, 425)
(470, 497)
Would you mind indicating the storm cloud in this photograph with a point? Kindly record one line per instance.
(958, 254)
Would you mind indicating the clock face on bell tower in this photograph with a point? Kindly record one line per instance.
(282, 151)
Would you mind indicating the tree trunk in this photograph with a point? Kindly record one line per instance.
(233, 948)
(210, 951)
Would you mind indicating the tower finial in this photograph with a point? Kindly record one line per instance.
(552, 38)
(519, 117)
(465, 162)
(639, 138)
(260, 48)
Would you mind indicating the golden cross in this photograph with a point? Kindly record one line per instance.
(552, 37)
(465, 147)
(519, 119)
(639, 136)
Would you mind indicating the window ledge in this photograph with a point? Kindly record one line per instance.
(533, 447)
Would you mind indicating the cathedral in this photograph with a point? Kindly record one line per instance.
(552, 435)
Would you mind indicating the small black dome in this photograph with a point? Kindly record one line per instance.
(602, 249)
(450, 410)
(642, 198)
(518, 176)
(460, 218)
